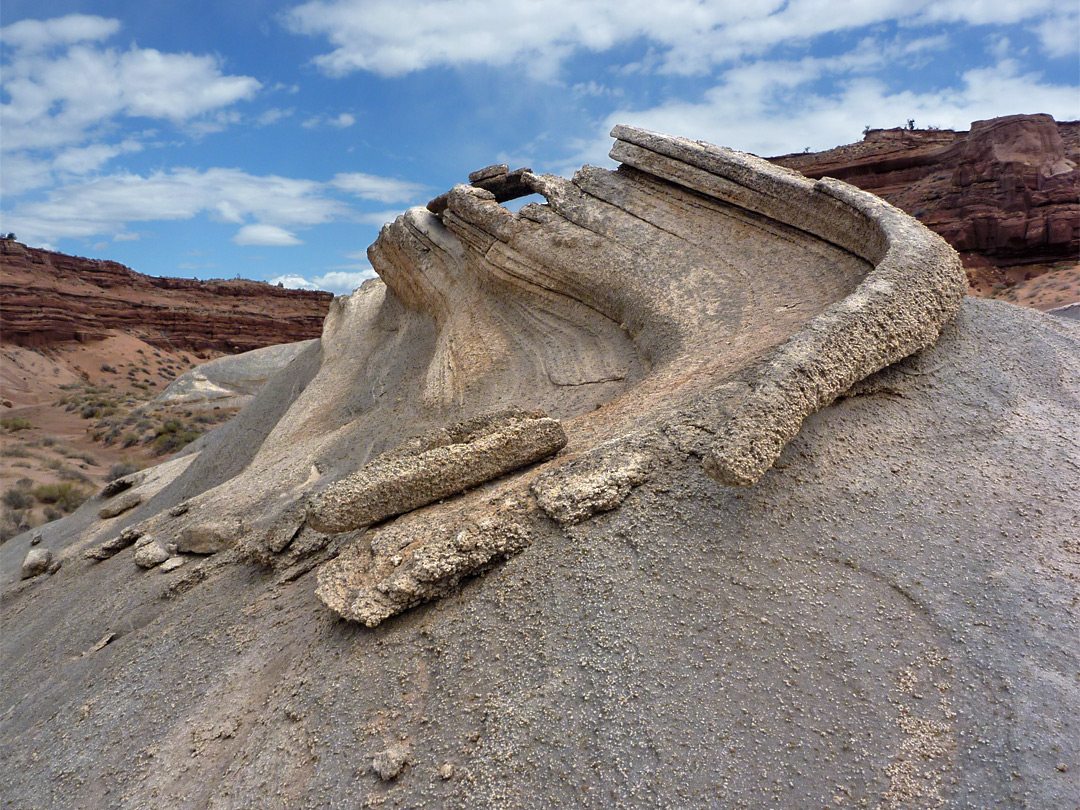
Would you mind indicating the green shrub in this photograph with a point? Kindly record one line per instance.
(16, 498)
(120, 470)
(10, 424)
(65, 495)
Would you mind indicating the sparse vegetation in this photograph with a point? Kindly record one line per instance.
(120, 470)
(11, 424)
(66, 496)
(17, 498)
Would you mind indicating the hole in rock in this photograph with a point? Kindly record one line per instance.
(516, 204)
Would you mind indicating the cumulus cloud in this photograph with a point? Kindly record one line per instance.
(268, 207)
(391, 38)
(381, 189)
(779, 113)
(268, 235)
(337, 282)
(107, 204)
(35, 35)
(65, 92)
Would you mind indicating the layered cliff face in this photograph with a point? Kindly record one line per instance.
(699, 485)
(1004, 194)
(49, 298)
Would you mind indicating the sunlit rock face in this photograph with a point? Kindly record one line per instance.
(695, 485)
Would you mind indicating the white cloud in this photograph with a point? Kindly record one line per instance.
(293, 282)
(391, 38)
(381, 189)
(34, 35)
(342, 121)
(343, 282)
(339, 283)
(273, 115)
(778, 114)
(267, 206)
(1060, 34)
(268, 235)
(107, 204)
(65, 94)
(59, 101)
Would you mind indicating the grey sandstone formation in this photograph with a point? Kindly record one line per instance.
(699, 485)
(230, 381)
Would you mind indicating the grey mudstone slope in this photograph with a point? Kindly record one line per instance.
(881, 612)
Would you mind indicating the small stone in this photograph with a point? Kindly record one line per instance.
(446, 771)
(151, 554)
(179, 509)
(390, 763)
(1063, 767)
(37, 562)
(208, 538)
(120, 504)
(35, 539)
(113, 545)
(54, 566)
(172, 564)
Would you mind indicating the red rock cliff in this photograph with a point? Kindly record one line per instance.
(1005, 194)
(49, 297)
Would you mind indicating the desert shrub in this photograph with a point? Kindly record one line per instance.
(52, 513)
(81, 456)
(171, 442)
(65, 495)
(47, 441)
(16, 451)
(68, 474)
(120, 470)
(16, 498)
(10, 424)
(107, 368)
(130, 439)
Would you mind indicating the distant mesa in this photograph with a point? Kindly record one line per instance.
(50, 298)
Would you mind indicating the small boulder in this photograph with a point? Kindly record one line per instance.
(153, 553)
(120, 504)
(37, 562)
(390, 763)
(208, 538)
(114, 545)
(172, 564)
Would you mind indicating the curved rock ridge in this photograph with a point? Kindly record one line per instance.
(696, 302)
(387, 582)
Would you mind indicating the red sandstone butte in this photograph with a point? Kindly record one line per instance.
(49, 297)
(1005, 194)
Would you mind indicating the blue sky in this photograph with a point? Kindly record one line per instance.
(270, 139)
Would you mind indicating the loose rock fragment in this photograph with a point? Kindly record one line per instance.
(172, 564)
(114, 545)
(390, 763)
(596, 482)
(119, 505)
(209, 538)
(153, 553)
(408, 564)
(37, 562)
(397, 483)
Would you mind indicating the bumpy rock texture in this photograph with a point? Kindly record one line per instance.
(883, 613)
(50, 297)
(1004, 194)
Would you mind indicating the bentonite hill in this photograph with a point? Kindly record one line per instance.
(701, 484)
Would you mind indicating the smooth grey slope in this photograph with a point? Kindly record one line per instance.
(888, 616)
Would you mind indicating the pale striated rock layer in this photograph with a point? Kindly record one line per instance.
(479, 545)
